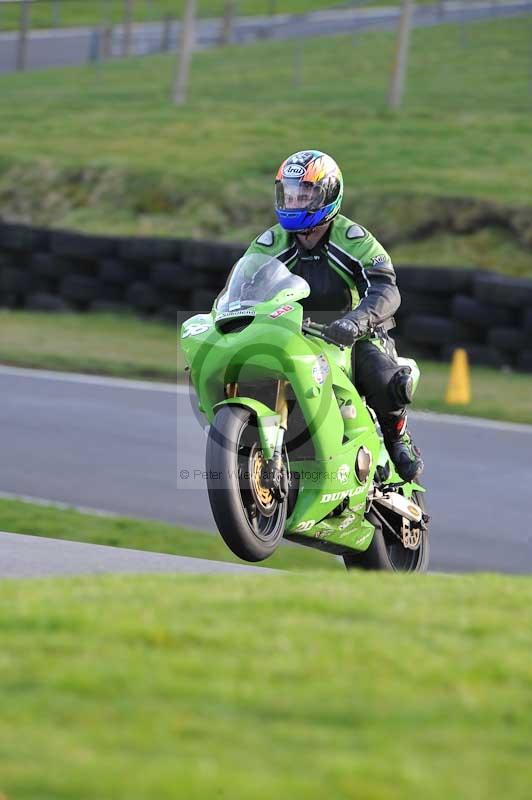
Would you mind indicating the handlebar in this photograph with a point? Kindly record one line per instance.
(316, 329)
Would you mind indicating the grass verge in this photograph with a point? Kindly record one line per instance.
(463, 132)
(381, 687)
(105, 150)
(496, 394)
(17, 516)
(125, 346)
(119, 345)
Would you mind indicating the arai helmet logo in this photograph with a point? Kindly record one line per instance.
(293, 171)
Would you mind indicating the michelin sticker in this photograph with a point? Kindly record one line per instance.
(320, 370)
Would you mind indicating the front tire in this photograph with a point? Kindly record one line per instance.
(250, 519)
(386, 552)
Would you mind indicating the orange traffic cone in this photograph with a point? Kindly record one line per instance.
(459, 386)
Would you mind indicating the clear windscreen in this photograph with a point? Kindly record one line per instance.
(257, 278)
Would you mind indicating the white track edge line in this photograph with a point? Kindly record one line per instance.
(94, 380)
(472, 422)
(59, 504)
(179, 388)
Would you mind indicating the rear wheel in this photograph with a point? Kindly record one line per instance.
(251, 520)
(386, 551)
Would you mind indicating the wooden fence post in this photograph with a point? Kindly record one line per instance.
(128, 27)
(107, 42)
(185, 53)
(56, 14)
(228, 20)
(397, 83)
(23, 30)
(166, 36)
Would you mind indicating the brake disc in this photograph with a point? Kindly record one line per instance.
(262, 495)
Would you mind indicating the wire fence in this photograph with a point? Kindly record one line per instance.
(36, 34)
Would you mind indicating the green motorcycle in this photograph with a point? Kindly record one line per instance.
(293, 451)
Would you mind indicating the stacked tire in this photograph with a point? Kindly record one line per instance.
(63, 270)
(442, 308)
(489, 315)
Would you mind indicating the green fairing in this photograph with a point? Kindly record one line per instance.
(275, 348)
(267, 423)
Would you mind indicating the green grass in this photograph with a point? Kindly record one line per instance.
(490, 248)
(125, 346)
(496, 394)
(379, 687)
(17, 516)
(104, 149)
(100, 12)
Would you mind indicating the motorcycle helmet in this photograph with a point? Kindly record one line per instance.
(308, 190)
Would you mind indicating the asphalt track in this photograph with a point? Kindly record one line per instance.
(31, 557)
(75, 46)
(119, 445)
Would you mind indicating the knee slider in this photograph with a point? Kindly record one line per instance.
(401, 387)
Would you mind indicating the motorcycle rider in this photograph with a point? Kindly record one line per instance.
(353, 289)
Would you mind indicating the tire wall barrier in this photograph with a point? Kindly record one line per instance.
(490, 315)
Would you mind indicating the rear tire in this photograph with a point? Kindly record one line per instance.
(250, 520)
(386, 552)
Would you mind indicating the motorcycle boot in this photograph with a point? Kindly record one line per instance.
(403, 452)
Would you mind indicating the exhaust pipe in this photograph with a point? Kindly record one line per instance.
(399, 505)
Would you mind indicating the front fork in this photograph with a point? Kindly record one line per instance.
(274, 476)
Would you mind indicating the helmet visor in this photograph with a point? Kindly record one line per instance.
(295, 195)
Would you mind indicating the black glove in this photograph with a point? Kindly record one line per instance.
(342, 331)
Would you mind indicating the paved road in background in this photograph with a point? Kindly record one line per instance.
(74, 46)
(119, 445)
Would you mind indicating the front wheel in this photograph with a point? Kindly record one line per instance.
(249, 517)
(386, 551)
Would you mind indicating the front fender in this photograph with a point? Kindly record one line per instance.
(268, 421)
